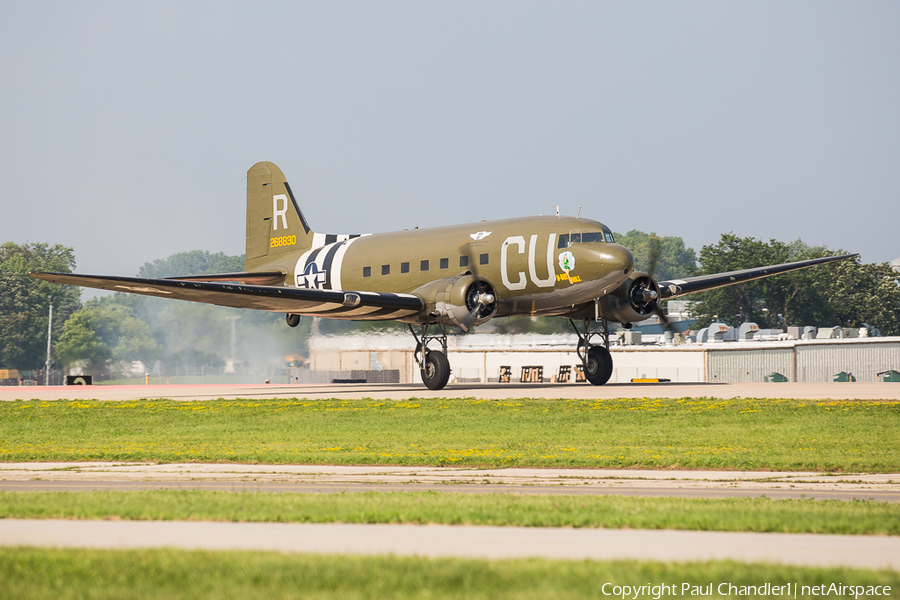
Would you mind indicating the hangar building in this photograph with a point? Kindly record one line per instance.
(482, 357)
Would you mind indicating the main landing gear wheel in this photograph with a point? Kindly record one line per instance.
(597, 361)
(598, 367)
(433, 364)
(436, 372)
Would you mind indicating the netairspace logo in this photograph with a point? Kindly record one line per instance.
(786, 590)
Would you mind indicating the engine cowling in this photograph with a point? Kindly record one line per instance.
(635, 300)
(465, 301)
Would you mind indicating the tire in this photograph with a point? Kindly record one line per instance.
(436, 373)
(598, 365)
(292, 320)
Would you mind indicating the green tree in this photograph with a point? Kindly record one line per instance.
(195, 262)
(24, 301)
(745, 302)
(860, 294)
(845, 293)
(104, 331)
(673, 258)
(80, 341)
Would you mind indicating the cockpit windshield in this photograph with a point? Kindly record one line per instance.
(585, 237)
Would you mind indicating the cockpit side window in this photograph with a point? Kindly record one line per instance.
(585, 237)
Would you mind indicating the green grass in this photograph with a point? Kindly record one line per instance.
(731, 514)
(28, 573)
(705, 433)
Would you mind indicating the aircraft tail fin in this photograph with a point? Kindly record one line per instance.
(276, 228)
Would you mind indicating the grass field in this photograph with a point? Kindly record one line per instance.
(732, 514)
(766, 434)
(636, 433)
(171, 574)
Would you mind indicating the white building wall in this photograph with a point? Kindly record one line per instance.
(864, 358)
(732, 363)
(685, 364)
(478, 358)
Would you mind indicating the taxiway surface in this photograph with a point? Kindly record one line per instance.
(864, 552)
(330, 479)
(490, 391)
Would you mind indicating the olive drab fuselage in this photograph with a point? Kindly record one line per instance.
(531, 263)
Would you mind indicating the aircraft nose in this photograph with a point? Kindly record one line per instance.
(618, 258)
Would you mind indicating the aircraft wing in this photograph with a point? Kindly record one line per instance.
(229, 290)
(689, 285)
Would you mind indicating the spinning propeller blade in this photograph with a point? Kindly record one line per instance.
(655, 243)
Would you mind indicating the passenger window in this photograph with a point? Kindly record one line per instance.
(483, 259)
(423, 266)
(464, 261)
(404, 267)
(445, 263)
(367, 271)
(385, 269)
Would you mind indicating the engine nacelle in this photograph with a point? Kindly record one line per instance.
(634, 300)
(465, 301)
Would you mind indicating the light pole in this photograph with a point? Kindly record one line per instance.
(49, 335)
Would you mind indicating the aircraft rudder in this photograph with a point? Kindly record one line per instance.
(275, 223)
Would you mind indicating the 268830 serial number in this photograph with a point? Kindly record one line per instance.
(288, 240)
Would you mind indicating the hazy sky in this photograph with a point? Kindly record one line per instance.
(127, 128)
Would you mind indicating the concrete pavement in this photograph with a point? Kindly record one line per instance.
(382, 391)
(865, 552)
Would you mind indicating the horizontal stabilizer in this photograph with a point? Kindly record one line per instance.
(262, 278)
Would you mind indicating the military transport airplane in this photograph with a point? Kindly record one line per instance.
(452, 276)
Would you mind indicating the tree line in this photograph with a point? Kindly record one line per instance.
(121, 328)
(106, 334)
(846, 293)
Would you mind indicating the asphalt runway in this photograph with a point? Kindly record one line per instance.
(385, 391)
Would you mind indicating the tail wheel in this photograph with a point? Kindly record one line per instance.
(292, 320)
(598, 365)
(436, 372)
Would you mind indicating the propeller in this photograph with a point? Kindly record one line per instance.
(480, 298)
(653, 259)
(651, 296)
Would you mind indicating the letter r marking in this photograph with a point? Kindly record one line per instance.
(279, 212)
